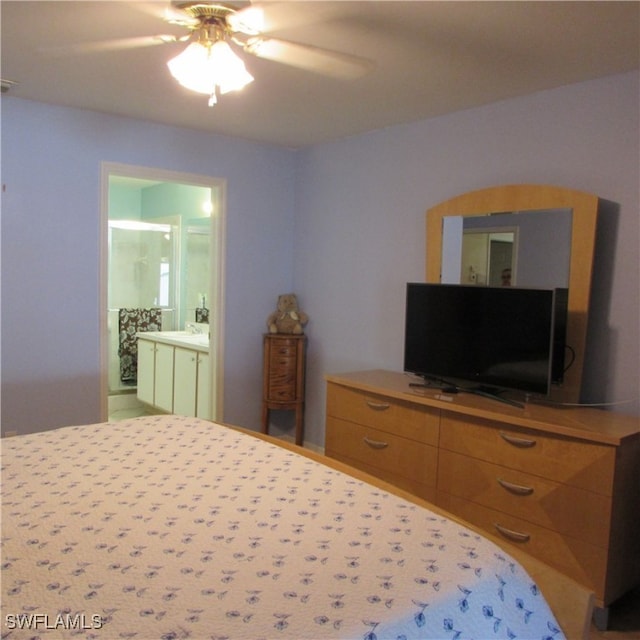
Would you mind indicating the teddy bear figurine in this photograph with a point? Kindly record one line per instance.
(288, 318)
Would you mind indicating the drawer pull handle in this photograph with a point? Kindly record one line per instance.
(377, 406)
(517, 442)
(518, 489)
(375, 444)
(516, 536)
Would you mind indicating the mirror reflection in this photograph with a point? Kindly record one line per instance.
(489, 257)
(523, 248)
(197, 267)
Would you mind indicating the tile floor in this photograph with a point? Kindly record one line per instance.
(126, 405)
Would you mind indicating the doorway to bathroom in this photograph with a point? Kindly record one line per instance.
(162, 270)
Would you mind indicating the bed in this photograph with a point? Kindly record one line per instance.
(169, 527)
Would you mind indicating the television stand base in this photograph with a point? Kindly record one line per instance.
(488, 392)
(450, 387)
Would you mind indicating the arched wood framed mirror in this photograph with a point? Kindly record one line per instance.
(540, 215)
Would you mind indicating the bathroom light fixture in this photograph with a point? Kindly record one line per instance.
(209, 65)
(207, 207)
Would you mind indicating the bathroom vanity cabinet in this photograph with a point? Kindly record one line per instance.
(155, 375)
(173, 373)
(146, 371)
(190, 383)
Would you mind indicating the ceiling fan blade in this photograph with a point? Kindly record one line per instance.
(309, 58)
(249, 21)
(275, 16)
(116, 44)
(183, 20)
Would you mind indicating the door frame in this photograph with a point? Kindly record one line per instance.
(217, 265)
(489, 233)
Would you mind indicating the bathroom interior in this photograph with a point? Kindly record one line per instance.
(159, 262)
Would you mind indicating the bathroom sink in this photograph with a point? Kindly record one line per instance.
(179, 337)
(187, 336)
(195, 338)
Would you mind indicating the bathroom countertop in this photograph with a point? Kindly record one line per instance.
(195, 341)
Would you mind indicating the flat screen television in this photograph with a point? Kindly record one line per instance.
(486, 339)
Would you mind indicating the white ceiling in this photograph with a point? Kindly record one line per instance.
(428, 58)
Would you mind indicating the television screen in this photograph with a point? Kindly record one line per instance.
(495, 337)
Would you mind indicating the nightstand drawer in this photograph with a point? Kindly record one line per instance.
(381, 450)
(578, 463)
(383, 413)
(575, 512)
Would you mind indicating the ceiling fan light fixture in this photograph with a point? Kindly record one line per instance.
(230, 72)
(191, 68)
(203, 66)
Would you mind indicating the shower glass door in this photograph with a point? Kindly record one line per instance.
(142, 275)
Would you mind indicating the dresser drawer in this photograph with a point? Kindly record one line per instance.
(578, 463)
(381, 450)
(282, 359)
(580, 560)
(282, 385)
(383, 413)
(280, 362)
(575, 512)
(411, 485)
(282, 348)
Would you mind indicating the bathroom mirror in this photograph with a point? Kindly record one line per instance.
(551, 233)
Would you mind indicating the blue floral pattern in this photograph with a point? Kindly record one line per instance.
(173, 528)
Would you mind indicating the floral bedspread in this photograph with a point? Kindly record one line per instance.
(169, 528)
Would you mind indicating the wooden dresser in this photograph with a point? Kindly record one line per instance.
(564, 483)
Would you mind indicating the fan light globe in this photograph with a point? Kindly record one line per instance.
(201, 68)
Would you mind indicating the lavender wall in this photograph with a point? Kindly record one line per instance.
(342, 224)
(360, 222)
(51, 163)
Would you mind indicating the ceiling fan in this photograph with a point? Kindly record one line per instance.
(246, 23)
(209, 65)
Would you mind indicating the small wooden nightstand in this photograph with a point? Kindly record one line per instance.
(283, 378)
